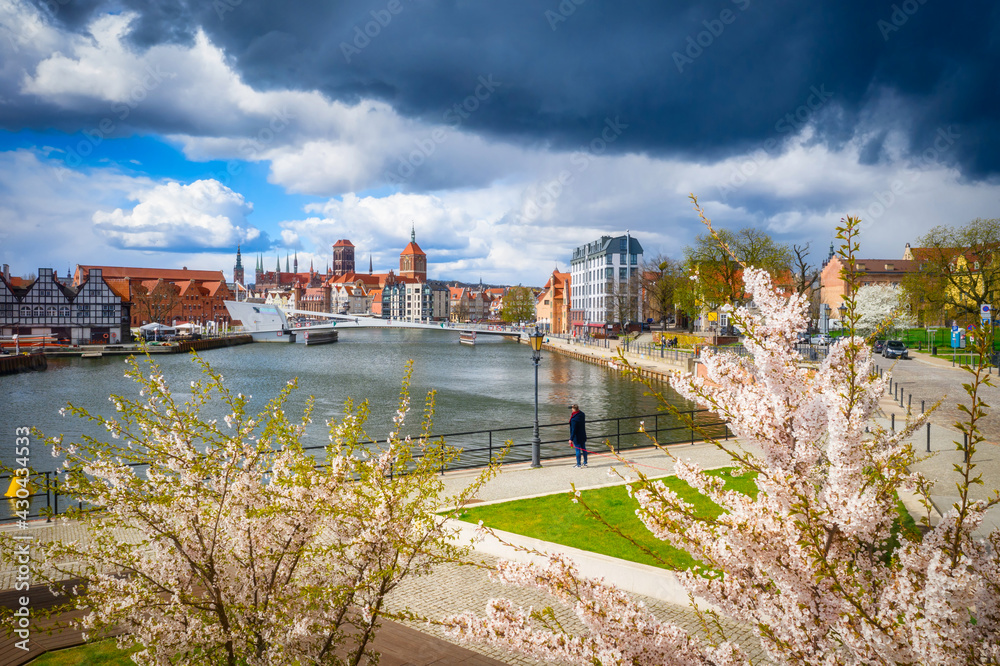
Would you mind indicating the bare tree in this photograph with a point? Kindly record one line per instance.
(158, 303)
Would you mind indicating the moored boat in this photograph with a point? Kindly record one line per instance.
(467, 337)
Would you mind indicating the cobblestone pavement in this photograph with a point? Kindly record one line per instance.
(454, 589)
(932, 379)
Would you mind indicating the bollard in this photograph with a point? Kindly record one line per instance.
(922, 408)
(909, 403)
(928, 438)
(965, 447)
(893, 420)
(901, 392)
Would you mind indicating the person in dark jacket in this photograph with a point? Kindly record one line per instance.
(578, 433)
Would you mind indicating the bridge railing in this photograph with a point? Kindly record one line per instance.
(478, 448)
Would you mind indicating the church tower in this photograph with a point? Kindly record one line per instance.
(343, 257)
(413, 260)
(238, 268)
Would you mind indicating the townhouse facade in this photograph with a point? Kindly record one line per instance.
(414, 301)
(89, 312)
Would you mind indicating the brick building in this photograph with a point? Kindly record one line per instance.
(168, 295)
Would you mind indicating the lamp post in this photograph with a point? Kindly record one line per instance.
(536, 339)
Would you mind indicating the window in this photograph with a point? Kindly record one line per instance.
(108, 310)
(39, 311)
(52, 311)
(609, 273)
(622, 244)
(635, 259)
(83, 309)
(622, 273)
(25, 310)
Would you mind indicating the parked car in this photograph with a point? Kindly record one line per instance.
(820, 339)
(895, 349)
(879, 346)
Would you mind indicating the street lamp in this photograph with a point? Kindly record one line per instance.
(536, 339)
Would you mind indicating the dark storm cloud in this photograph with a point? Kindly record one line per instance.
(698, 79)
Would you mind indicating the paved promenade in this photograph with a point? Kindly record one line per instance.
(454, 589)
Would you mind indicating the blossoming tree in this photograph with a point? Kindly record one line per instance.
(877, 305)
(814, 564)
(242, 548)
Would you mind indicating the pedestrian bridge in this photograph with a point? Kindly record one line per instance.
(272, 322)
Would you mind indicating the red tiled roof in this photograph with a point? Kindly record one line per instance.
(412, 248)
(171, 274)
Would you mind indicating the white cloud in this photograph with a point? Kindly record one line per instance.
(204, 215)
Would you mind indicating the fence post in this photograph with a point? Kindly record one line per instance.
(692, 427)
(618, 435)
(491, 446)
(48, 497)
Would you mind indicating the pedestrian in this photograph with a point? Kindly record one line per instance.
(578, 433)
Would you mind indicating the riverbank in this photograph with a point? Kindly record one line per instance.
(658, 367)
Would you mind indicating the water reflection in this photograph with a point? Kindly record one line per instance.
(490, 385)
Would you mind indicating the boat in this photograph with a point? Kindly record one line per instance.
(467, 337)
(321, 337)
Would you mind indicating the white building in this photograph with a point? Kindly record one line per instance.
(604, 275)
(414, 301)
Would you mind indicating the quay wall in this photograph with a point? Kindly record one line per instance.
(10, 365)
(214, 343)
(658, 374)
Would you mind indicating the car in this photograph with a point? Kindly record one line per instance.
(879, 347)
(895, 349)
(820, 339)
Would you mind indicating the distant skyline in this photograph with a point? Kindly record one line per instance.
(164, 133)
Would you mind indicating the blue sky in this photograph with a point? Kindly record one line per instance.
(166, 132)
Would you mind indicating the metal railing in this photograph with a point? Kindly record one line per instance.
(478, 449)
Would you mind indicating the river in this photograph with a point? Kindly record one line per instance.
(486, 386)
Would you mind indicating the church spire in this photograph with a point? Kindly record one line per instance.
(277, 265)
(286, 262)
(296, 264)
(239, 257)
(413, 233)
(369, 263)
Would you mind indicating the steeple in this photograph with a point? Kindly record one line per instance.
(238, 268)
(296, 264)
(286, 262)
(277, 265)
(369, 263)
(413, 233)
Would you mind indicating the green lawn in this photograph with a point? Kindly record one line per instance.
(103, 653)
(557, 519)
